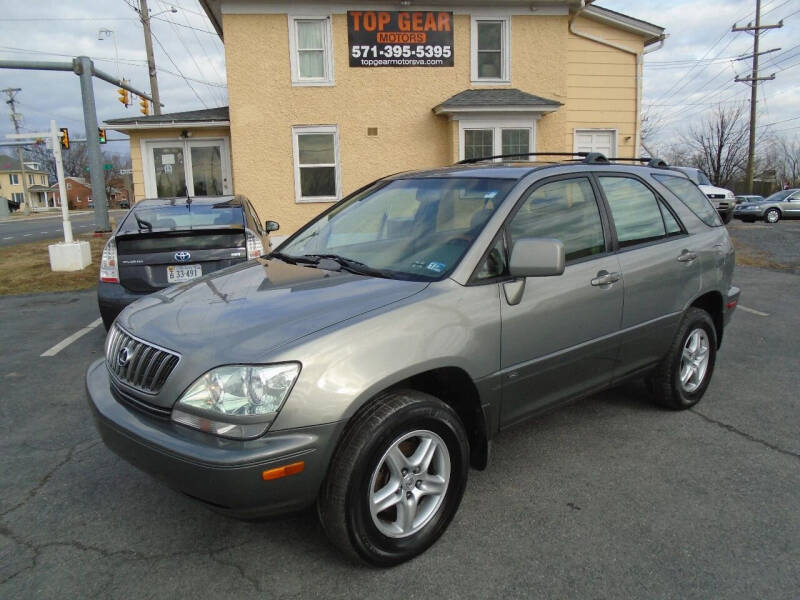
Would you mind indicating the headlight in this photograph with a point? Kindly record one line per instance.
(237, 401)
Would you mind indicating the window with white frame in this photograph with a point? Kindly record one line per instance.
(316, 163)
(505, 137)
(311, 49)
(13, 178)
(30, 179)
(17, 197)
(491, 49)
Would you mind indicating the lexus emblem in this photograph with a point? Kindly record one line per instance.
(124, 356)
(183, 256)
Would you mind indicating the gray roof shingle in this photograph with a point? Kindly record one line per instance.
(205, 115)
(496, 97)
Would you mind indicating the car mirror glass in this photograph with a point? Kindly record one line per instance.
(271, 226)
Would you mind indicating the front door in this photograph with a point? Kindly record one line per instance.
(560, 339)
(187, 168)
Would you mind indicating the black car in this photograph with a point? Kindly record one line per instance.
(165, 241)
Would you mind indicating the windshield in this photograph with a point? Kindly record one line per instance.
(779, 196)
(183, 216)
(702, 179)
(407, 228)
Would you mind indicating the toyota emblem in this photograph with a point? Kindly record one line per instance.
(183, 256)
(124, 356)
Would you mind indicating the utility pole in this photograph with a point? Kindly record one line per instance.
(15, 118)
(144, 15)
(753, 81)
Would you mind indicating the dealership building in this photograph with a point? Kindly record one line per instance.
(325, 97)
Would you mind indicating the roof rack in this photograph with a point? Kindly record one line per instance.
(469, 161)
(589, 158)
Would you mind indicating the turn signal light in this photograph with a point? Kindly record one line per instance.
(284, 471)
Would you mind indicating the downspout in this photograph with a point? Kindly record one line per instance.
(639, 66)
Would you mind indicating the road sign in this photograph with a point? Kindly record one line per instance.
(108, 167)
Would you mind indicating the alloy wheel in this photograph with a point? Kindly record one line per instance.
(694, 360)
(409, 484)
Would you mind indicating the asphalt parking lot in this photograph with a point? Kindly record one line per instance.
(607, 498)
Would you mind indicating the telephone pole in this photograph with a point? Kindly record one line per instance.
(753, 81)
(15, 119)
(144, 15)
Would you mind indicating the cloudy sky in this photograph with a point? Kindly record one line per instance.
(693, 72)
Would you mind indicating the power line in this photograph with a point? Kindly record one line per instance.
(177, 68)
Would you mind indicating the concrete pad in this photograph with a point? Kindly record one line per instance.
(70, 257)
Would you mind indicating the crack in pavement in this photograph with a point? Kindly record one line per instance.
(239, 568)
(34, 491)
(744, 434)
(131, 555)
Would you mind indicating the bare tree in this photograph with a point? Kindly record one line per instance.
(75, 159)
(720, 144)
(788, 161)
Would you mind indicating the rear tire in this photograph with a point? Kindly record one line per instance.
(407, 451)
(773, 215)
(682, 376)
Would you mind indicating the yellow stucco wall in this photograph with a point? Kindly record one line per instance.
(136, 137)
(596, 84)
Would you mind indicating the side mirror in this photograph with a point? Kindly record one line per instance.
(536, 257)
(271, 226)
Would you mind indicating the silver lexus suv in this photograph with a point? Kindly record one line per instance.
(366, 364)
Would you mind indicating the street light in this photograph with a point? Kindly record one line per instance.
(171, 9)
(104, 34)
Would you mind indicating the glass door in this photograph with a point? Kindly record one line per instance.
(187, 168)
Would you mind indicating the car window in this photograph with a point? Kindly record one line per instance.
(565, 210)
(670, 222)
(691, 196)
(779, 196)
(255, 218)
(410, 228)
(183, 215)
(635, 210)
(702, 179)
(495, 264)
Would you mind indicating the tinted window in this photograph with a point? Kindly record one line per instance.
(183, 216)
(635, 209)
(691, 196)
(779, 196)
(565, 210)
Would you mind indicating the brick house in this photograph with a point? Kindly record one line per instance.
(79, 193)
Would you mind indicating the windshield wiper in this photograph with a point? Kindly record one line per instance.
(142, 223)
(293, 259)
(348, 264)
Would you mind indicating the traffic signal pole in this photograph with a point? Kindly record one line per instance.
(55, 140)
(96, 176)
(84, 68)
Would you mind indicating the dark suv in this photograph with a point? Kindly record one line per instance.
(165, 241)
(366, 364)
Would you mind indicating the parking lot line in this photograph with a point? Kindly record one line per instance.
(753, 311)
(67, 341)
(9, 237)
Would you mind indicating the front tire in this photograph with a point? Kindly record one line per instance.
(396, 479)
(773, 215)
(682, 376)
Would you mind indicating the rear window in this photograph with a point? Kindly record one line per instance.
(691, 196)
(183, 216)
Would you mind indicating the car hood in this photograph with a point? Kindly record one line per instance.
(240, 314)
(712, 189)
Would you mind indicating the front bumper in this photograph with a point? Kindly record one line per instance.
(225, 474)
(748, 214)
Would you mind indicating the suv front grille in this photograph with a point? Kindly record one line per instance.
(142, 366)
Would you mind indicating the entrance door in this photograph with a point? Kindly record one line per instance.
(187, 168)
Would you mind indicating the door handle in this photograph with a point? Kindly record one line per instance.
(605, 278)
(687, 257)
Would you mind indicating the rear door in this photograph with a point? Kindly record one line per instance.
(659, 264)
(560, 339)
(791, 207)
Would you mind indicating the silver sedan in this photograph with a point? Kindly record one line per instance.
(780, 205)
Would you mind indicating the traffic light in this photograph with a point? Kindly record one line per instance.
(101, 133)
(64, 138)
(124, 97)
(144, 106)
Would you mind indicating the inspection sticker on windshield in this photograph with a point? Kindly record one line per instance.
(490, 195)
(436, 266)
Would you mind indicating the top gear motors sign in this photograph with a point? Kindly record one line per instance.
(400, 39)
